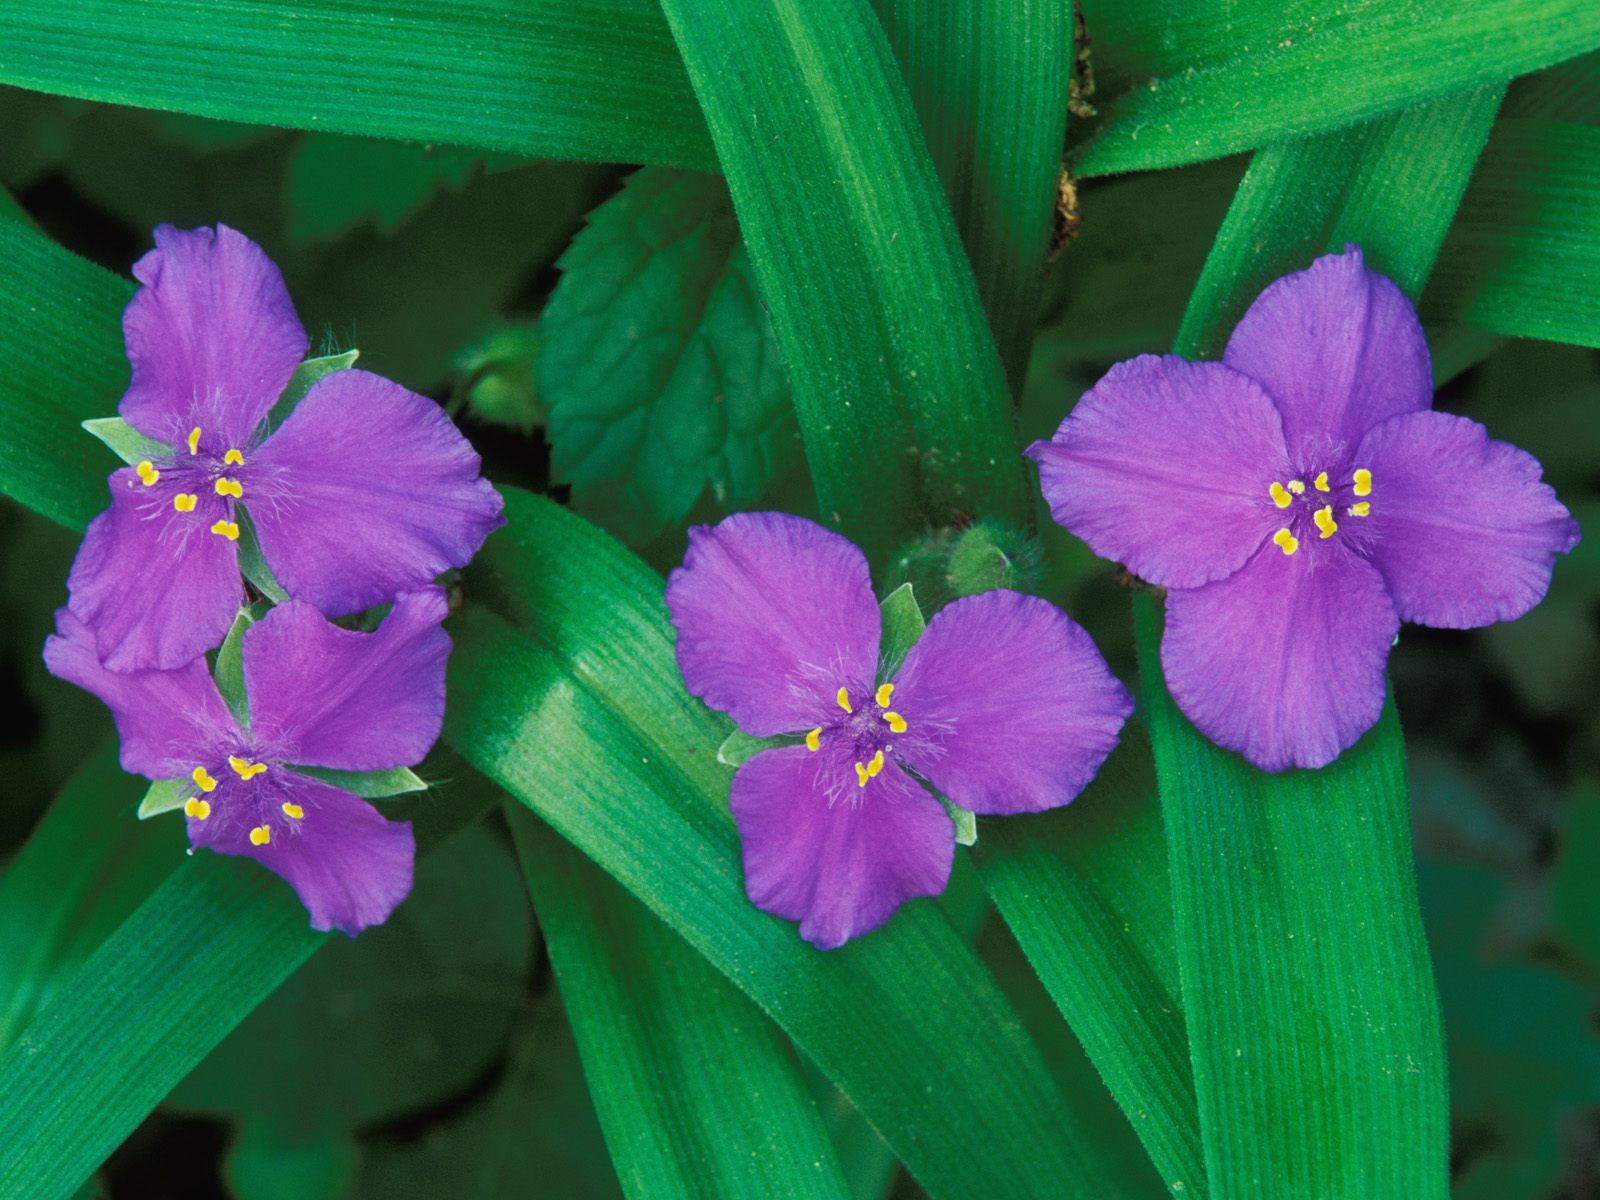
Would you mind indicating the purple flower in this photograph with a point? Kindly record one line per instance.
(1004, 705)
(1299, 500)
(319, 696)
(365, 490)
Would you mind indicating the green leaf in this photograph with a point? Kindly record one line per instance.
(903, 624)
(205, 948)
(126, 442)
(739, 747)
(62, 346)
(623, 766)
(658, 367)
(698, 1094)
(229, 669)
(372, 785)
(837, 198)
(588, 79)
(305, 375)
(360, 1034)
(1265, 72)
(163, 796)
(335, 183)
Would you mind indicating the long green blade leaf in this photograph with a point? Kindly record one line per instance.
(1313, 1020)
(580, 714)
(899, 390)
(698, 1094)
(580, 79)
(1305, 70)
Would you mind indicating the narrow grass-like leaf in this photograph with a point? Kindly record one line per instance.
(1259, 72)
(62, 345)
(697, 1092)
(623, 765)
(583, 79)
(899, 391)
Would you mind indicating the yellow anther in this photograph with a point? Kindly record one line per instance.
(861, 775)
(194, 440)
(227, 529)
(1280, 495)
(293, 810)
(814, 739)
(884, 692)
(147, 472)
(875, 765)
(1286, 541)
(202, 779)
(844, 700)
(197, 808)
(260, 835)
(233, 458)
(244, 769)
(1361, 509)
(1363, 478)
(1297, 487)
(229, 487)
(185, 501)
(897, 723)
(1321, 482)
(1325, 522)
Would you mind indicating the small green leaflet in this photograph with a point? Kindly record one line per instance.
(126, 442)
(739, 747)
(902, 626)
(370, 785)
(966, 822)
(252, 565)
(306, 374)
(229, 672)
(164, 796)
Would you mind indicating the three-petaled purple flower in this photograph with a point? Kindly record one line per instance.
(318, 696)
(365, 490)
(1004, 705)
(1299, 500)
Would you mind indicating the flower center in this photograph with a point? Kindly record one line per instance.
(869, 731)
(1315, 511)
(202, 473)
(198, 806)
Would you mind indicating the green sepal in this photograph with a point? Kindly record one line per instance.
(164, 796)
(902, 626)
(966, 821)
(229, 670)
(252, 565)
(306, 374)
(369, 785)
(739, 747)
(126, 442)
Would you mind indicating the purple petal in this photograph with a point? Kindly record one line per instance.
(156, 585)
(212, 336)
(1339, 348)
(168, 721)
(774, 615)
(349, 865)
(836, 857)
(1461, 526)
(1167, 466)
(1284, 661)
(324, 696)
(1008, 705)
(365, 491)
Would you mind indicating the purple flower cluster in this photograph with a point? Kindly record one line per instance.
(363, 495)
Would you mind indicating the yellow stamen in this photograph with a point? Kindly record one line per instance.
(861, 775)
(229, 487)
(1280, 495)
(227, 529)
(260, 835)
(814, 739)
(147, 472)
(185, 501)
(1286, 541)
(1363, 479)
(197, 808)
(194, 440)
(233, 458)
(293, 810)
(897, 723)
(1360, 510)
(884, 692)
(875, 765)
(1325, 522)
(244, 769)
(844, 700)
(203, 780)
(1297, 487)
(1321, 482)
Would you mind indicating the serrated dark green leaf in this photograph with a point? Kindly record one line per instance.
(126, 442)
(658, 369)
